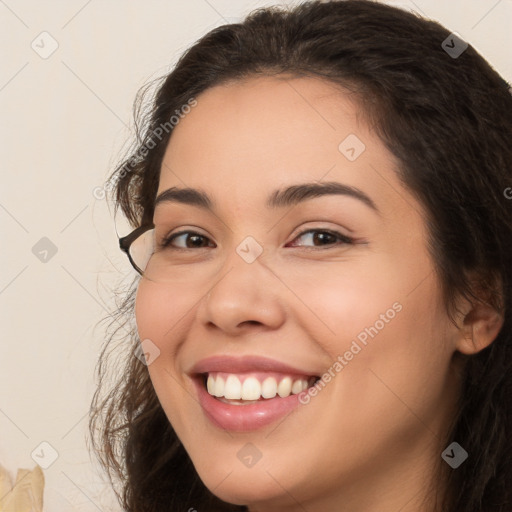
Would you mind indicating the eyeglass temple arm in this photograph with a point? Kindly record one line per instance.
(126, 241)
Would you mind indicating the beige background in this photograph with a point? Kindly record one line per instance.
(65, 119)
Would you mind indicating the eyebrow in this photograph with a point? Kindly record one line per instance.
(289, 196)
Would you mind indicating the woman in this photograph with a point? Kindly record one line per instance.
(323, 232)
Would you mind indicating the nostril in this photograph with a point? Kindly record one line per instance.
(251, 322)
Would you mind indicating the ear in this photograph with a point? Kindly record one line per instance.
(480, 326)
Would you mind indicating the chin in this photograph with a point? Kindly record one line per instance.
(246, 490)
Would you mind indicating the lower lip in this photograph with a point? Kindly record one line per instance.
(244, 418)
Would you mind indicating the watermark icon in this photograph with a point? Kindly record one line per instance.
(147, 352)
(355, 348)
(249, 455)
(249, 249)
(45, 45)
(44, 455)
(454, 455)
(100, 192)
(454, 45)
(44, 250)
(158, 133)
(508, 193)
(351, 147)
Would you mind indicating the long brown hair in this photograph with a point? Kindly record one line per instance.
(449, 123)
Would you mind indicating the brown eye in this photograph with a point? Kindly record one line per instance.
(324, 237)
(192, 240)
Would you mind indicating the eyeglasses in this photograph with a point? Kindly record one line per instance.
(139, 246)
(152, 255)
(151, 258)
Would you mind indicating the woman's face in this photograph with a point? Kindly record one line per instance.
(272, 274)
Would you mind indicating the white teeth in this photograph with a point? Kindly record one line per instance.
(233, 388)
(284, 388)
(298, 386)
(269, 388)
(210, 385)
(252, 389)
(219, 387)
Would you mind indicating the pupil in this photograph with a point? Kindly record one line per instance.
(321, 236)
(197, 238)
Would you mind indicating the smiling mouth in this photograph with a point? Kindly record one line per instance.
(253, 387)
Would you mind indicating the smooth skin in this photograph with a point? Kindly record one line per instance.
(369, 440)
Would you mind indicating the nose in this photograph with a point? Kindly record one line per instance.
(246, 296)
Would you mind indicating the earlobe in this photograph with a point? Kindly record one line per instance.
(481, 326)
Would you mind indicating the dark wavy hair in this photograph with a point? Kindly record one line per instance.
(447, 120)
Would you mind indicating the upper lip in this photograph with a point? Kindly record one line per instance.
(231, 364)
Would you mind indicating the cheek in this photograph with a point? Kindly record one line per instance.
(390, 350)
(161, 311)
(381, 322)
(339, 307)
(161, 317)
(150, 310)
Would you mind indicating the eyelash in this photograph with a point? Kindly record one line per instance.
(166, 242)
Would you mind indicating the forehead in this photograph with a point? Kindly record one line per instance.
(263, 118)
(247, 138)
